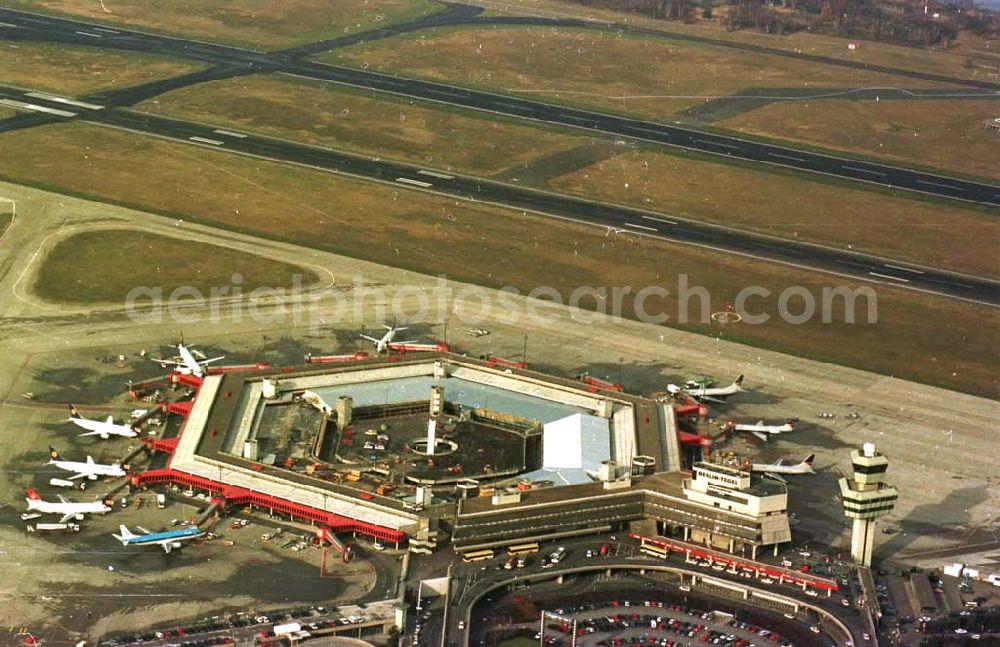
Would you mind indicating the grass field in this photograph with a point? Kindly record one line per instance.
(330, 115)
(943, 235)
(951, 61)
(598, 69)
(262, 24)
(87, 267)
(7, 113)
(80, 70)
(915, 336)
(940, 133)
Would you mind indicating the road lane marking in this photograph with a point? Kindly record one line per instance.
(436, 174)
(943, 186)
(36, 108)
(205, 140)
(58, 99)
(905, 269)
(862, 170)
(406, 180)
(712, 143)
(669, 222)
(229, 134)
(637, 226)
(787, 157)
(887, 276)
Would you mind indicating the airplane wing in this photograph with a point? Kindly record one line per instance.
(62, 498)
(760, 435)
(371, 339)
(702, 398)
(78, 476)
(143, 530)
(96, 432)
(167, 546)
(774, 476)
(211, 359)
(66, 517)
(167, 362)
(401, 343)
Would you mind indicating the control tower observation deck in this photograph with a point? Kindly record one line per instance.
(866, 497)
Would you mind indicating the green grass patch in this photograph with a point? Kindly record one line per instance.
(326, 114)
(259, 24)
(104, 265)
(75, 71)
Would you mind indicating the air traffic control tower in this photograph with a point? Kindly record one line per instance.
(866, 497)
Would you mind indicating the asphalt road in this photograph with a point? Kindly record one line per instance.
(34, 27)
(633, 221)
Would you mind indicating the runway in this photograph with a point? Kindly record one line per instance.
(234, 61)
(624, 220)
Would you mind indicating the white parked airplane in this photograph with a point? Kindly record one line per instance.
(761, 430)
(382, 345)
(102, 428)
(90, 469)
(65, 507)
(704, 392)
(191, 361)
(168, 540)
(774, 470)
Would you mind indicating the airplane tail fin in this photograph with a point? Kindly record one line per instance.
(739, 381)
(808, 462)
(33, 495)
(53, 454)
(73, 412)
(125, 535)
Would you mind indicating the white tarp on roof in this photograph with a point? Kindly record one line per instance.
(578, 441)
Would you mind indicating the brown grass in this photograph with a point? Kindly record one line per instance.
(77, 269)
(950, 61)
(649, 77)
(7, 113)
(917, 336)
(329, 115)
(80, 70)
(948, 236)
(251, 23)
(940, 133)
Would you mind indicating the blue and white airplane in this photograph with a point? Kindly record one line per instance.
(168, 539)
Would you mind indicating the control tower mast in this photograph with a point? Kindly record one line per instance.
(866, 497)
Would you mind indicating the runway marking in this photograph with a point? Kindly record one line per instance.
(905, 269)
(844, 261)
(447, 94)
(58, 99)
(669, 222)
(229, 133)
(646, 130)
(573, 117)
(436, 174)
(887, 276)
(87, 33)
(788, 157)
(632, 224)
(205, 140)
(862, 170)
(512, 105)
(106, 30)
(943, 186)
(36, 108)
(7, 24)
(406, 180)
(711, 143)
